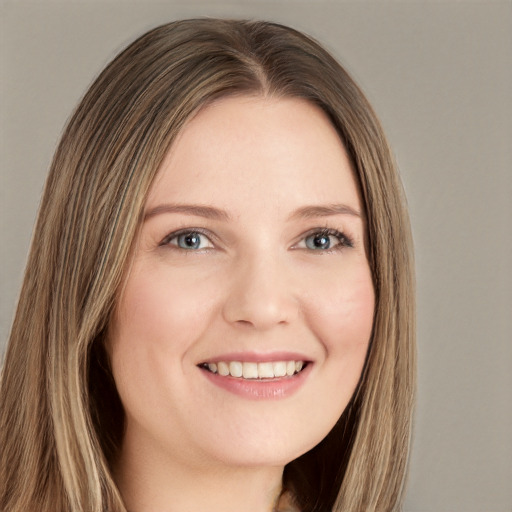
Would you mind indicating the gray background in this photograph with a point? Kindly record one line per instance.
(440, 77)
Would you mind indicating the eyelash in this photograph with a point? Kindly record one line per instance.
(344, 240)
(189, 231)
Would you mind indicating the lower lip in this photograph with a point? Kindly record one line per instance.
(271, 389)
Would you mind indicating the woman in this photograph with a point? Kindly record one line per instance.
(217, 312)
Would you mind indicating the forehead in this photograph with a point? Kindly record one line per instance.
(242, 149)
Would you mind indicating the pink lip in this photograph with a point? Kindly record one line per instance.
(254, 357)
(271, 389)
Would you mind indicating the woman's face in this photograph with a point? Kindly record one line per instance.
(250, 261)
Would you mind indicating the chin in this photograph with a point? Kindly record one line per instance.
(265, 444)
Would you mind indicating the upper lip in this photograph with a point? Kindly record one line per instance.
(257, 357)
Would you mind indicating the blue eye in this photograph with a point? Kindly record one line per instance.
(188, 240)
(325, 240)
(319, 241)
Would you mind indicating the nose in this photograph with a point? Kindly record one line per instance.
(261, 295)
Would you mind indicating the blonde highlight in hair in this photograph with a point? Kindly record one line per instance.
(61, 419)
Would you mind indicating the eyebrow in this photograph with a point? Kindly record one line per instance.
(309, 212)
(209, 212)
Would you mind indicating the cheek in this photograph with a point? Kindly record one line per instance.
(158, 310)
(155, 324)
(343, 321)
(353, 320)
(159, 318)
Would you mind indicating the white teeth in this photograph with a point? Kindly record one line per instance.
(251, 370)
(223, 368)
(265, 371)
(279, 369)
(235, 369)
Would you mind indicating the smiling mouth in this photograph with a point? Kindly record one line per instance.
(255, 371)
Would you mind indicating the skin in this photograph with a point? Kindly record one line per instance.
(255, 286)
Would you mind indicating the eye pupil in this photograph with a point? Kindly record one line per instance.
(322, 241)
(319, 241)
(189, 241)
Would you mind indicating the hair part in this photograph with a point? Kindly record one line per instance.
(61, 419)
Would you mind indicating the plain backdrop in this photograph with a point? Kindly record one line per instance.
(439, 75)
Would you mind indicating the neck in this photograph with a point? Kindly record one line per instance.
(156, 484)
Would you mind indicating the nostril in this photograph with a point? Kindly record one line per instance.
(244, 322)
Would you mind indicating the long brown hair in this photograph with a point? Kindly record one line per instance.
(61, 419)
